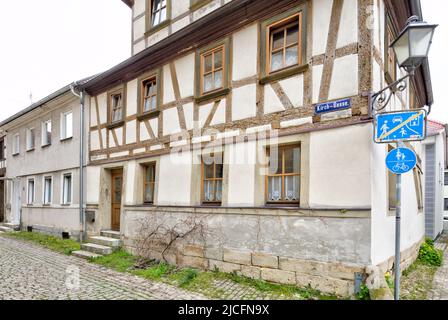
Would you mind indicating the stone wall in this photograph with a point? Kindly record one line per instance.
(282, 247)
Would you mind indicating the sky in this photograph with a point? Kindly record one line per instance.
(48, 44)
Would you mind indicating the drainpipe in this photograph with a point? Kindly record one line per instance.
(82, 219)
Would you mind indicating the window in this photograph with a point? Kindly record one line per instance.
(283, 179)
(2, 149)
(159, 12)
(284, 45)
(418, 187)
(67, 188)
(149, 183)
(389, 55)
(46, 133)
(212, 70)
(212, 173)
(30, 191)
(445, 204)
(48, 188)
(16, 144)
(30, 139)
(117, 107)
(66, 125)
(446, 179)
(149, 89)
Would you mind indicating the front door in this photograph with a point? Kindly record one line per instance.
(117, 186)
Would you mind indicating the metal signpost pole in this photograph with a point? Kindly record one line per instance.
(397, 239)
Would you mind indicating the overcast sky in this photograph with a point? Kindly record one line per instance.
(47, 44)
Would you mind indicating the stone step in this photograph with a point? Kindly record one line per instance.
(96, 248)
(6, 229)
(13, 226)
(105, 241)
(111, 234)
(85, 254)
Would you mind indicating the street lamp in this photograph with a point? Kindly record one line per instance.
(412, 45)
(411, 48)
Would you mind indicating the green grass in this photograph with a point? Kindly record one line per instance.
(65, 246)
(118, 260)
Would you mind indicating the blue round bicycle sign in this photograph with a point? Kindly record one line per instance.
(401, 160)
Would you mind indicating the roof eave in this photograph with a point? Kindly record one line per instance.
(129, 3)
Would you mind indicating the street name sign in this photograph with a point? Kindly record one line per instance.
(333, 106)
(400, 126)
(401, 160)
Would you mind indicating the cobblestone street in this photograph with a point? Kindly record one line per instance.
(440, 284)
(29, 272)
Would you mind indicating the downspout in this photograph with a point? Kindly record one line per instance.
(82, 219)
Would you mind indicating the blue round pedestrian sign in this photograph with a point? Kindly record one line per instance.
(401, 160)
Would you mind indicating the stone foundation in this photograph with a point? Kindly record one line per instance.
(407, 258)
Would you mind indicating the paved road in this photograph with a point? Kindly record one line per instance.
(30, 272)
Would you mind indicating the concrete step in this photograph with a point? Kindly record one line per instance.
(85, 254)
(13, 226)
(6, 229)
(111, 234)
(105, 241)
(96, 248)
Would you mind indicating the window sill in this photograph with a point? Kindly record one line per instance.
(115, 124)
(199, 4)
(66, 204)
(46, 205)
(212, 95)
(15, 154)
(45, 145)
(211, 204)
(66, 139)
(284, 73)
(30, 150)
(148, 115)
(158, 27)
(282, 205)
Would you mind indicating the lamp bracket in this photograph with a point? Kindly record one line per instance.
(381, 99)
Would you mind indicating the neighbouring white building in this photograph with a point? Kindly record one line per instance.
(216, 119)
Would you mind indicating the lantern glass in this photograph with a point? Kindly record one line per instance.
(420, 41)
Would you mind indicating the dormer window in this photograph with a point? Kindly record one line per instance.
(159, 12)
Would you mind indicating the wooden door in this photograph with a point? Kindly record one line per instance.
(117, 186)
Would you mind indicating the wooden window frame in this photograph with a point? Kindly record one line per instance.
(149, 13)
(141, 95)
(389, 28)
(214, 179)
(153, 183)
(201, 96)
(282, 148)
(266, 27)
(63, 193)
(118, 123)
(28, 191)
(196, 4)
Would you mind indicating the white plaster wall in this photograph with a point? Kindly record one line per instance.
(131, 132)
(204, 111)
(168, 91)
(94, 140)
(139, 28)
(170, 121)
(241, 181)
(179, 24)
(344, 80)
(144, 135)
(92, 108)
(129, 185)
(245, 48)
(293, 88)
(175, 191)
(220, 114)
(188, 113)
(139, 7)
(321, 24)
(317, 78)
(157, 37)
(131, 98)
(271, 101)
(102, 106)
(179, 7)
(244, 102)
(93, 184)
(348, 28)
(139, 46)
(203, 11)
(185, 75)
(339, 168)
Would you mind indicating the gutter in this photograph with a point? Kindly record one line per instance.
(82, 218)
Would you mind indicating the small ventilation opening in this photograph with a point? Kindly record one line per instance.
(29, 228)
(65, 235)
